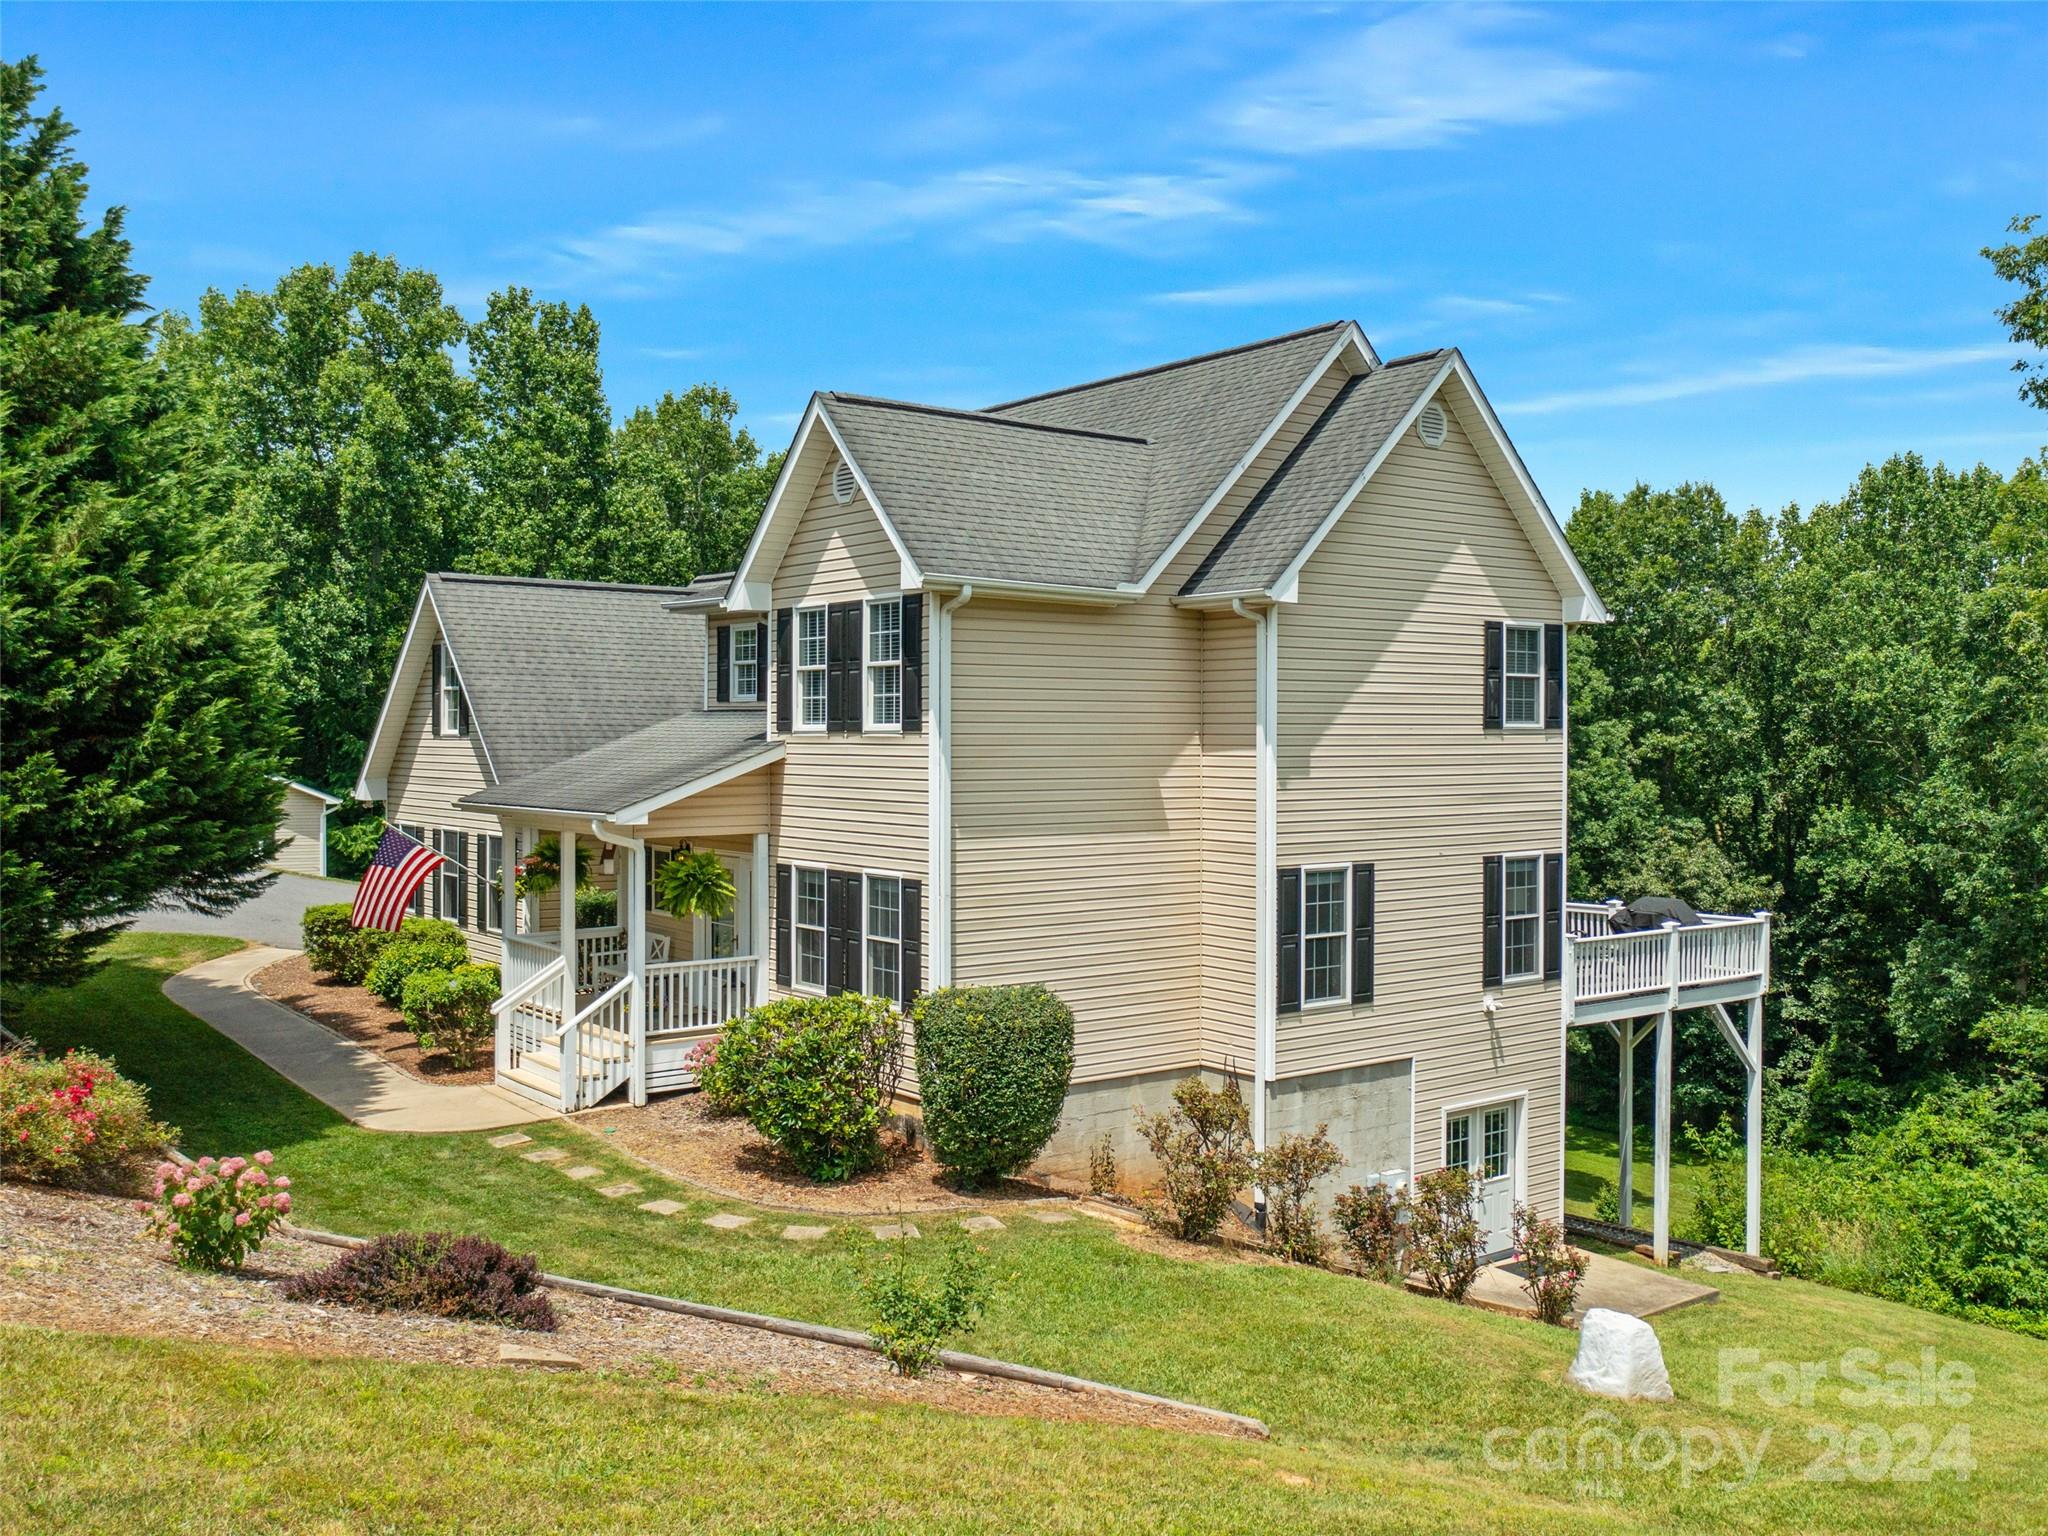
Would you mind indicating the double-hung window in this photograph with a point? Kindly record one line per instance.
(491, 899)
(451, 721)
(882, 942)
(746, 663)
(418, 905)
(1521, 918)
(1524, 674)
(1325, 935)
(808, 921)
(810, 669)
(885, 664)
(450, 848)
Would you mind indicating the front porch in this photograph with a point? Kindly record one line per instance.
(1633, 981)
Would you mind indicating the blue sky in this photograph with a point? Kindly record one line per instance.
(1734, 243)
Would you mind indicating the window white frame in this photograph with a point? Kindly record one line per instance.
(491, 861)
(1511, 675)
(891, 943)
(450, 712)
(1341, 936)
(426, 838)
(448, 843)
(748, 692)
(798, 927)
(808, 672)
(881, 674)
(1532, 918)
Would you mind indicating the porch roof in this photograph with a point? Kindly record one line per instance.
(657, 763)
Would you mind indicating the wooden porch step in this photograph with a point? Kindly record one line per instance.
(531, 1085)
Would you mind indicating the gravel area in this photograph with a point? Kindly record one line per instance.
(80, 1262)
(355, 1015)
(680, 1136)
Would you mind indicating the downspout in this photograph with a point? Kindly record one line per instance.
(939, 792)
(1264, 882)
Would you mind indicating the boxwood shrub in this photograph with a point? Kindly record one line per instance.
(992, 1070)
(406, 957)
(344, 953)
(451, 1010)
(815, 1075)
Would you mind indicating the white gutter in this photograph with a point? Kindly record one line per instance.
(1266, 780)
(939, 787)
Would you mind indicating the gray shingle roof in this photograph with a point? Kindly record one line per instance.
(634, 768)
(553, 668)
(1277, 523)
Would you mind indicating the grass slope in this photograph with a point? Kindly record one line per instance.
(1381, 1403)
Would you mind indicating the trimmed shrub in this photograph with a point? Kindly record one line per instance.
(214, 1215)
(1554, 1268)
(430, 930)
(451, 1010)
(74, 1120)
(714, 1080)
(1204, 1148)
(1374, 1222)
(406, 957)
(436, 1273)
(596, 907)
(992, 1070)
(1445, 1233)
(346, 954)
(815, 1076)
(917, 1314)
(1286, 1172)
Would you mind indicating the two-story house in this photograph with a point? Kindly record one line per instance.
(1225, 698)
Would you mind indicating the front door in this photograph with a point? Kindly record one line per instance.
(1483, 1141)
(719, 938)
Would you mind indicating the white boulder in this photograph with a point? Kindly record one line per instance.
(1619, 1356)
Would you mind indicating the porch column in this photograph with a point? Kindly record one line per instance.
(762, 928)
(633, 908)
(508, 883)
(1660, 1231)
(566, 899)
(1625, 1037)
(1753, 1208)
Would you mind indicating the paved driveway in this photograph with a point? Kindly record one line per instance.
(270, 918)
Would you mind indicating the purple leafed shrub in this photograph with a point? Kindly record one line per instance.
(436, 1273)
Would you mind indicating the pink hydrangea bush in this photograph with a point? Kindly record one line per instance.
(215, 1214)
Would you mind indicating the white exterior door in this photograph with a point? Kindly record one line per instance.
(1484, 1141)
(718, 938)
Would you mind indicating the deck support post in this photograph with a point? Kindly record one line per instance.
(1660, 1231)
(1625, 1175)
(1753, 1130)
(633, 869)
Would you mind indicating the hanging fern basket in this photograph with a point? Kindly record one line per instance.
(693, 883)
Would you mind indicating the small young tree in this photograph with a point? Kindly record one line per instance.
(1286, 1172)
(1445, 1233)
(1204, 1150)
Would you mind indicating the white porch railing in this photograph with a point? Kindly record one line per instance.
(600, 952)
(698, 994)
(531, 1014)
(1608, 965)
(597, 1046)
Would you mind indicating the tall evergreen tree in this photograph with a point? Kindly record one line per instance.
(140, 711)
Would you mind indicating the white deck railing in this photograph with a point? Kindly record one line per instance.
(698, 994)
(600, 953)
(531, 1014)
(597, 1046)
(1608, 965)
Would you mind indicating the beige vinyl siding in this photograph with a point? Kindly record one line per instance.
(299, 822)
(1229, 774)
(1383, 759)
(428, 775)
(725, 817)
(844, 801)
(1077, 804)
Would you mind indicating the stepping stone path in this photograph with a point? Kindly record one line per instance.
(1051, 1217)
(613, 1191)
(805, 1234)
(662, 1207)
(546, 1155)
(982, 1224)
(526, 1354)
(724, 1221)
(511, 1139)
(583, 1171)
(890, 1233)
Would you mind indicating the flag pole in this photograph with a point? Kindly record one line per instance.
(437, 853)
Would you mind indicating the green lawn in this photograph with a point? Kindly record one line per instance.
(1380, 1402)
(1592, 1167)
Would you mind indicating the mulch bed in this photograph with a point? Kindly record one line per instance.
(355, 1015)
(679, 1135)
(80, 1262)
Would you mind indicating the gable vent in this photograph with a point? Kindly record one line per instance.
(1430, 426)
(842, 482)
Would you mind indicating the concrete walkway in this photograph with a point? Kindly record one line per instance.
(342, 1075)
(1618, 1284)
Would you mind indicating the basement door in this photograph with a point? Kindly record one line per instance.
(1484, 1141)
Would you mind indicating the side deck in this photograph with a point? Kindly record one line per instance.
(1724, 959)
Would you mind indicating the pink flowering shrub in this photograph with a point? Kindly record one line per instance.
(73, 1120)
(215, 1214)
(1553, 1268)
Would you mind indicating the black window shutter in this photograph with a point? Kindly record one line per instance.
(1553, 676)
(1496, 663)
(853, 658)
(461, 918)
(1553, 916)
(724, 694)
(461, 708)
(1361, 932)
(482, 899)
(1489, 926)
(913, 661)
(436, 727)
(842, 931)
(835, 667)
(785, 713)
(431, 836)
(1287, 952)
(782, 893)
(760, 660)
(912, 929)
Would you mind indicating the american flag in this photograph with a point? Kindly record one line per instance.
(395, 872)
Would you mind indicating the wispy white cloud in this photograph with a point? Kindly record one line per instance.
(1471, 306)
(1799, 366)
(1418, 78)
(1288, 288)
(503, 126)
(992, 203)
(673, 354)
